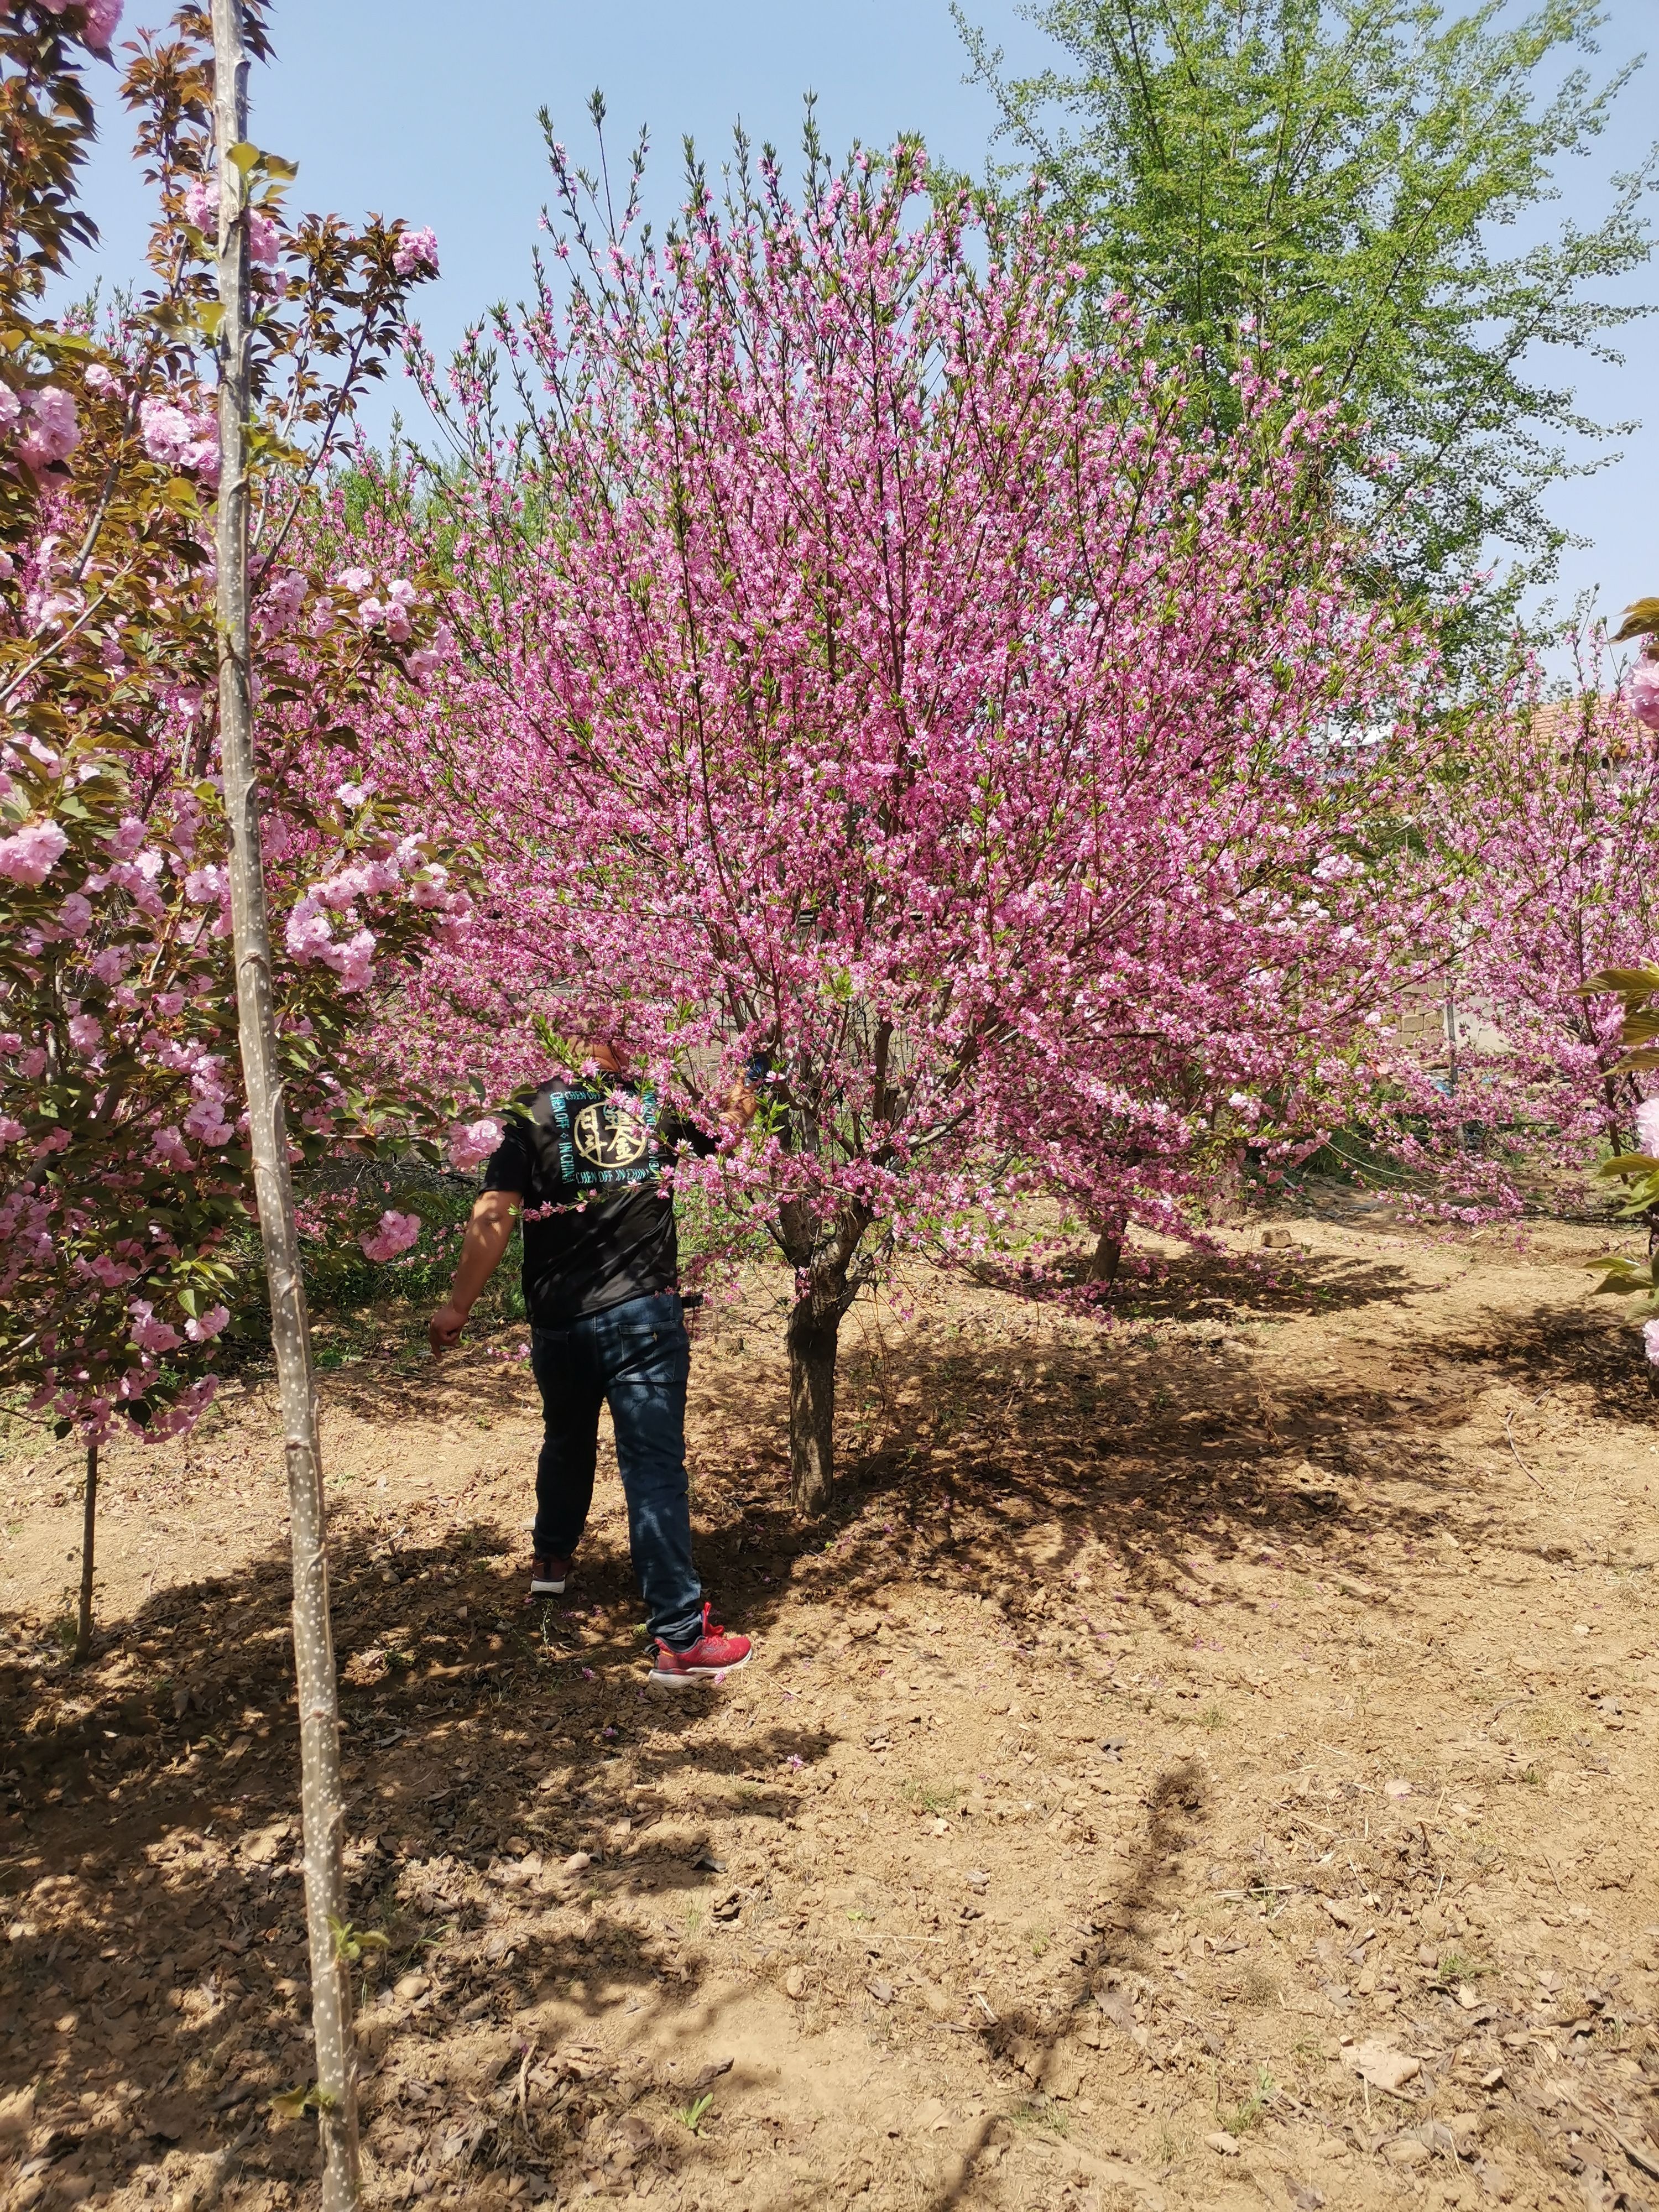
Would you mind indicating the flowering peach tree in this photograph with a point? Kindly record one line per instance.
(862, 685)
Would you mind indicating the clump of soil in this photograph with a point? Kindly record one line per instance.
(1199, 1761)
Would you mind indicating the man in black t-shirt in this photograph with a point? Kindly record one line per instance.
(583, 1163)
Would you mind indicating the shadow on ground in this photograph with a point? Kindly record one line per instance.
(150, 1874)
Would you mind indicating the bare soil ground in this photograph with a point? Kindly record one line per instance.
(1202, 1762)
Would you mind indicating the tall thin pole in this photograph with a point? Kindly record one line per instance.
(322, 1798)
(88, 1537)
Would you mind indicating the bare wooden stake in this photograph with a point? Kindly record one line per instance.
(89, 1533)
(322, 1796)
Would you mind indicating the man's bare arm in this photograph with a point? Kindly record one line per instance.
(488, 1235)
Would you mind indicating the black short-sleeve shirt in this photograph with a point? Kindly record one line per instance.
(588, 1163)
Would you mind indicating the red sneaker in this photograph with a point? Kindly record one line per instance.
(713, 1657)
(548, 1577)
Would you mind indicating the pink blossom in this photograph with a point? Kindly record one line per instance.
(84, 1033)
(103, 20)
(355, 579)
(352, 960)
(416, 253)
(202, 1331)
(1650, 1339)
(474, 1143)
(148, 1334)
(1643, 693)
(54, 427)
(206, 1122)
(112, 1273)
(203, 885)
(165, 428)
(11, 408)
(10, 1131)
(1647, 1127)
(370, 613)
(29, 855)
(178, 439)
(396, 1233)
(264, 239)
(283, 600)
(352, 794)
(202, 204)
(112, 964)
(169, 1149)
(309, 930)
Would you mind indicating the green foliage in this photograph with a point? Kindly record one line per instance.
(1332, 173)
(1250, 2113)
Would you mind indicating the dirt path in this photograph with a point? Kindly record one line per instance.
(1202, 1762)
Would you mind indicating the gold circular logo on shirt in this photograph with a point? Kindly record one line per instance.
(607, 1138)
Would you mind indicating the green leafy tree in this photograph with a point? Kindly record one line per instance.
(1333, 176)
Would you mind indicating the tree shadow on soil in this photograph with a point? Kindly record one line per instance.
(157, 1969)
(150, 1871)
(1547, 1350)
(1115, 1961)
(1196, 1285)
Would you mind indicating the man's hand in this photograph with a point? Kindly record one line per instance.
(444, 1330)
(488, 1235)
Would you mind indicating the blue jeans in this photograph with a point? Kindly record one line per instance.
(637, 1356)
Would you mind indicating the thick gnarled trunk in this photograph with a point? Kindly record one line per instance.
(812, 1342)
(824, 1287)
(1108, 1254)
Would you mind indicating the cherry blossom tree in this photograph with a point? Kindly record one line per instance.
(857, 678)
(122, 1137)
(125, 1141)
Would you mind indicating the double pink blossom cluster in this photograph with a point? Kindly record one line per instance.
(401, 871)
(43, 423)
(100, 19)
(264, 239)
(394, 1233)
(1641, 689)
(180, 439)
(416, 253)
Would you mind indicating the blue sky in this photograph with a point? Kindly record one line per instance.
(429, 112)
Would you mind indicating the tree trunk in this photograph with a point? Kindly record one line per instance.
(322, 1799)
(88, 1532)
(813, 1337)
(1108, 1254)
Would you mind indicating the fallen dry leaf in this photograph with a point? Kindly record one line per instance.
(1381, 2064)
